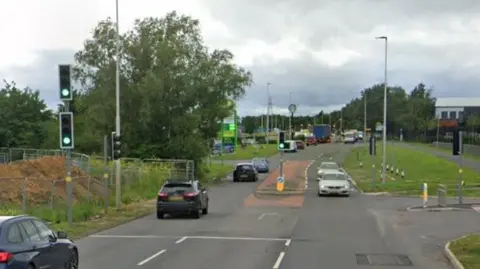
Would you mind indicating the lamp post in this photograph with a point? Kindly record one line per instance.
(384, 160)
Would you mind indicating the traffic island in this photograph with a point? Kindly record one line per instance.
(464, 252)
(294, 179)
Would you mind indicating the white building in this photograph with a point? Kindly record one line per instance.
(456, 107)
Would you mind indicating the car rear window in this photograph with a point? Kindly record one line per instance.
(177, 188)
(245, 167)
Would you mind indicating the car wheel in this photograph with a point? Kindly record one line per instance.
(205, 210)
(319, 194)
(160, 215)
(235, 180)
(196, 214)
(73, 263)
(31, 266)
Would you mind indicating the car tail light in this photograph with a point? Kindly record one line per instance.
(5, 257)
(189, 194)
(162, 194)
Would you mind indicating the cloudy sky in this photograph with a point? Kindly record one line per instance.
(323, 52)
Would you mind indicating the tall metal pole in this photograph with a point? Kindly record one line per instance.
(364, 113)
(341, 120)
(69, 177)
(290, 118)
(438, 130)
(269, 106)
(384, 138)
(118, 167)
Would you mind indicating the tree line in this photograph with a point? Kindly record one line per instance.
(411, 112)
(174, 93)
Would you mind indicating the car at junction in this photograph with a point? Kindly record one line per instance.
(27, 242)
(334, 183)
(325, 167)
(182, 197)
(245, 172)
(261, 165)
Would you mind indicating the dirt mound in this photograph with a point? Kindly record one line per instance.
(41, 177)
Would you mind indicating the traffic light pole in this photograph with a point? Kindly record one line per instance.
(281, 163)
(69, 176)
(118, 165)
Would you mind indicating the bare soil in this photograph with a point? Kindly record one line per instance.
(40, 177)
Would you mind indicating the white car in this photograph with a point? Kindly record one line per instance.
(326, 167)
(334, 183)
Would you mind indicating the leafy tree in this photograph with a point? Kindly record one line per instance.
(24, 117)
(174, 91)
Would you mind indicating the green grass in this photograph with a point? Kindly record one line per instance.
(467, 251)
(250, 152)
(419, 167)
(448, 151)
(137, 198)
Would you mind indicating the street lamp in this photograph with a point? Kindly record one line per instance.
(118, 168)
(384, 138)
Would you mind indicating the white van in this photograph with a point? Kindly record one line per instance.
(293, 146)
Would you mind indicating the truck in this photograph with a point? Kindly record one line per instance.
(322, 133)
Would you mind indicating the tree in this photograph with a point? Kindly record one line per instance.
(174, 92)
(24, 117)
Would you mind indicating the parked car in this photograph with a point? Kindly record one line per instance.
(245, 172)
(27, 242)
(182, 197)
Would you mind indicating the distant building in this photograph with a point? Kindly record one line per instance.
(456, 108)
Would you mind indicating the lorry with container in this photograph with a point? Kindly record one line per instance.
(322, 133)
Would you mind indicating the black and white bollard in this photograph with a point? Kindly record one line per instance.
(403, 174)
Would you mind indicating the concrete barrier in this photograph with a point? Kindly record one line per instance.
(469, 149)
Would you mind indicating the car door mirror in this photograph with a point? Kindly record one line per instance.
(51, 238)
(62, 235)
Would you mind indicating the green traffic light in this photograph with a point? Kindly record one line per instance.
(65, 92)
(67, 140)
(281, 146)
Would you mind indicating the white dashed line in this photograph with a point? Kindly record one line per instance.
(279, 260)
(152, 257)
(181, 240)
(306, 174)
(287, 243)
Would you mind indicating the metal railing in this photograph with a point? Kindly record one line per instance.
(443, 189)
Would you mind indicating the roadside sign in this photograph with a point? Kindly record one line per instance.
(280, 184)
(292, 108)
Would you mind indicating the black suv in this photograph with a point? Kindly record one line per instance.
(182, 197)
(245, 172)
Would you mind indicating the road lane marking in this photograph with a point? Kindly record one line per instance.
(152, 257)
(287, 243)
(181, 240)
(189, 237)
(268, 214)
(279, 260)
(306, 173)
(132, 236)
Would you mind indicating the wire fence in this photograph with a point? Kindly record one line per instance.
(41, 186)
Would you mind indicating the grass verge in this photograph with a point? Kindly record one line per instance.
(89, 216)
(420, 167)
(448, 151)
(250, 152)
(467, 251)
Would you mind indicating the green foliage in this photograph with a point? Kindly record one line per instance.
(174, 92)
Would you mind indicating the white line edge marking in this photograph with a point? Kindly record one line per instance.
(181, 240)
(279, 260)
(152, 257)
(190, 237)
(261, 216)
(287, 243)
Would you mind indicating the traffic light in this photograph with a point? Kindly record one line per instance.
(117, 152)
(65, 83)
(66, 130)
(281, 140)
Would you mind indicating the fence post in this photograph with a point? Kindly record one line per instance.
(89, 194)
(52, 194)
(425, 195)
(25, 194)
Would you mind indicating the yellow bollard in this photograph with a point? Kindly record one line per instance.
(425, 195)
(280, 184)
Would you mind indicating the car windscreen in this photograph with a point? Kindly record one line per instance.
(258, 162)
(334, 177)
(178, 188)
(331, 166)
(245, 167)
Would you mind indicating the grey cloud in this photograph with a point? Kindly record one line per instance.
(43, 74)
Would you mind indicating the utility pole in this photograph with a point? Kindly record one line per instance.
(384, 161)
(118, 165)
(269, 106)
(364, 113)
(341, 120)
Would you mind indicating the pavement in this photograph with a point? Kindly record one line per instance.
(266, 232)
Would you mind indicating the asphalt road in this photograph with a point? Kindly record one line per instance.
(324, 233)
